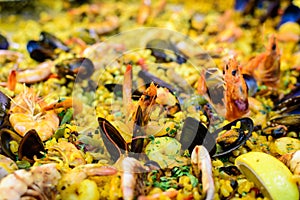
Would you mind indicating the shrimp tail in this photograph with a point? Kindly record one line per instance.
(12, 80)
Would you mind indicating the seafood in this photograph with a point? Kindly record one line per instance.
(75, 183)
(4, 106)
(110, 24)
(201, 163)
(81, 68)
(148, 114)
(38, 182)
(265, 68)
(236, 95)
(292, 160)
(162, 50)
(26, 113)
(40, 73)
(228, 137)
(70, 154)
(3, 42)
(27, 147)
(44, 48)
(132, 178)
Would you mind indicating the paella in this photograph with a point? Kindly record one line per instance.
(149, 99)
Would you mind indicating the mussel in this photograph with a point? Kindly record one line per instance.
(39, 52)
(115, 143)
(3, 42)
(165, 51)
(291, 14)
(44, 48)
(80, 68)
(4, 106)
(222, 141)
(195, 133)
(29, 146)
(251, 83)
(227, 144)
(52, 41)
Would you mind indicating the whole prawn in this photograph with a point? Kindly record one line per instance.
(265, 68)
(26, 113)
(236, 94)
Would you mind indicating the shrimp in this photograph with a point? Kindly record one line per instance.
(71, 155)
(292, 160)
(265, 68)
(146, 10)
(201, 161)
(13, 56)
(111, 23)
(236, 94)
(75, 183)
(26, 113)
(132, 183)
(37, 183)
(40, 73)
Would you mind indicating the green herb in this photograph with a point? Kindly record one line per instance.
(68, 116)
(23, 164)
(152, 138)
(167, 129)
(59, 133)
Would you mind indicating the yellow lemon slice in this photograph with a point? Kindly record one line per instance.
(270, 175)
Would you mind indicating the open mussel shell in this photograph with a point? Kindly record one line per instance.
(195, 133)
(165, 51)
(6, 137)
(4, 106)
(290, 103)
(113, 141)
(29, 146)
(292, 121)
(81, 68)
(233, 138)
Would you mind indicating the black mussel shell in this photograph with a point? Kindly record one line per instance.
(39, 52)
(52, 41)
(251, 83)
(290, 103)
(149, 78)
(4, 106)
(195, 133)
(292, 121)
(31, 145)
(138, 132)
(6, 136)
(113, 141)
(159, 49)
(291, 14)
(80, 68)
(245, 131)
(3, 42)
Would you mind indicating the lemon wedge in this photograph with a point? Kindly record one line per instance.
(270, 175)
